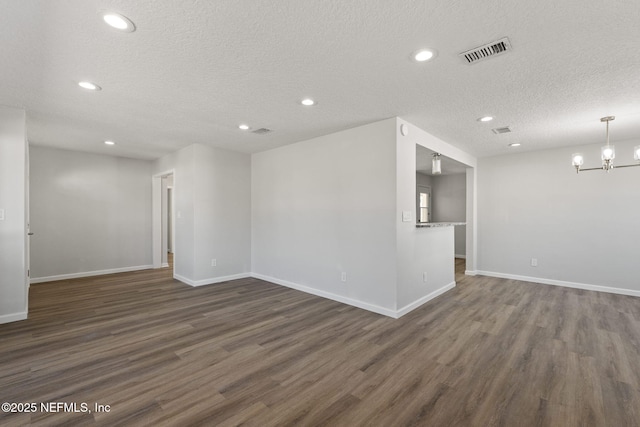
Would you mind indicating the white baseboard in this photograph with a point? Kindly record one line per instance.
(13, 317)
(412, 306)
(164, 265)
(89, 273)
(212, 280)
(470, 272)
(460, 256)
(328, 295)
(565, 284)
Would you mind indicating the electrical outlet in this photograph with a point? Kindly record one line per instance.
(534, 262)
(214, 262)
(343, 276)
(424, 276)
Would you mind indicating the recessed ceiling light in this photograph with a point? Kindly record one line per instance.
(243, 127)
(423, 55)
(485, 119)
(514, 144)
(119, 22)
(109, 143)
(308, 102)
(89, 86)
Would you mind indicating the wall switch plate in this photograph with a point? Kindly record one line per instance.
(406, 216)
(343, 276)
(214, 262)
(1, 214)
(534, 262)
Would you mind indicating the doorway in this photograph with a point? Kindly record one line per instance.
(163, 204)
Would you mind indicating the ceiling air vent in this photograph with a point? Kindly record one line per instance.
(261, 131)
(501, 130)
(486, 51)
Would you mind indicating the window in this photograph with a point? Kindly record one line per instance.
(424, 204)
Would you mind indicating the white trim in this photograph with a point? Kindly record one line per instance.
(412, 306)
(165, 264)
(328, 295)
(13, 317)
(460, 256)
(212, 280)
(586, 287)
(89, 273)
(470, 272)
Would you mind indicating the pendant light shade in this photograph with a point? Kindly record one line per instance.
(436, 168)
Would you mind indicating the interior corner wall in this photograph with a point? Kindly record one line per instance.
(183, 164)
(13, 226)
(582, 228)
(222, 214)
(90, 214)
(212, 202)
(324, 207)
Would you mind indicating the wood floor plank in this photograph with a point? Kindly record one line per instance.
(247, 352)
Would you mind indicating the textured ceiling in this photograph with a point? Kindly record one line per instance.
(194, 70)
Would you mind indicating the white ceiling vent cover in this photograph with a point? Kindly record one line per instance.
(486, 51)
(261, 131)
(505, 129)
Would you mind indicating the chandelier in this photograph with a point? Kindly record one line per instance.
(608, 153)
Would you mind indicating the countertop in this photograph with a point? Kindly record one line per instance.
(438, 224)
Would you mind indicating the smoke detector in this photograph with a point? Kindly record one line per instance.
(486, 51)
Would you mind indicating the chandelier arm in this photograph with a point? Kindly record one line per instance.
(627, 166)
(592, 169)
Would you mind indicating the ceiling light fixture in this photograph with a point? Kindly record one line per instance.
(109, 143)
(515, 144)
(607, 153)
(485, 119)
(119, 22)
(436, 166)
(423, 55)
(243, 127)
(308, 102)
(89, 85)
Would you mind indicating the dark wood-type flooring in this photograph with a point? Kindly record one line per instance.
(489, 352)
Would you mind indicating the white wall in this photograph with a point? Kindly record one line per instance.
(212, 190)
(90, 213)
(449, 194)
(583, 229)
(334, 204)
(182, 163)
(222, 207)
(425, 250)
(326, 206)
(13, 228)
(423, 179)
